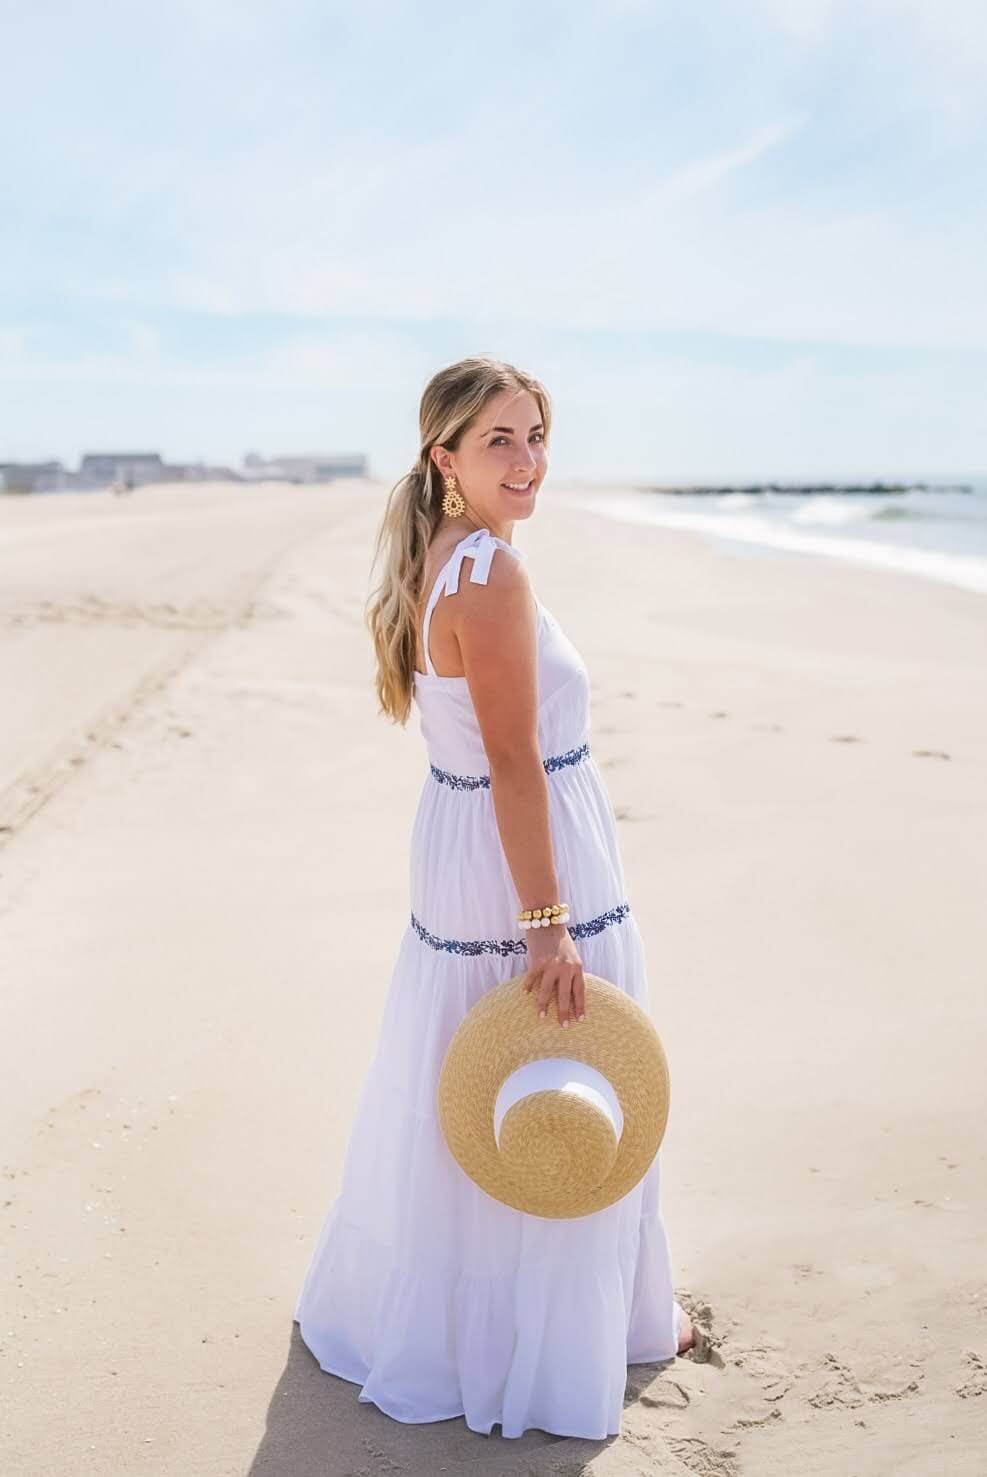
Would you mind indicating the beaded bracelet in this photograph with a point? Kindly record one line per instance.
(543, 917)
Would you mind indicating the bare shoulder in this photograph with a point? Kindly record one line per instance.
(497, 630)
(495, 613)
(506, 579)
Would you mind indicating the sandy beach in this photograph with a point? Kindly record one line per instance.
(204, 831)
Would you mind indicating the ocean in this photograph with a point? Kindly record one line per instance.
(935, 534)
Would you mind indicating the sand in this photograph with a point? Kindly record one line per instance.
(203, 882)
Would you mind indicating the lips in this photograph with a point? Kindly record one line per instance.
(512, 488)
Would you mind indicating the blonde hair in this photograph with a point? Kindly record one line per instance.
(451, 401)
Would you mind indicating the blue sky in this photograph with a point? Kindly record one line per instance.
(735, 240)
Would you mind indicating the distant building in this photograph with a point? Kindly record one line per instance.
(34, 477)
(132, 468)
(312, 468)
(123, 470)
(197, 472)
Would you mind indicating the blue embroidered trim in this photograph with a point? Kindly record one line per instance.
(517, 946)
(482, 781)
(602, 921)
(461, 781)
(571, 756)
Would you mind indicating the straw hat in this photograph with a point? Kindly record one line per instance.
(553, 1122)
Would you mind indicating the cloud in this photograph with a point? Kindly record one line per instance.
(681, 252)
(807, 21)
(701, 175)
(287, 219)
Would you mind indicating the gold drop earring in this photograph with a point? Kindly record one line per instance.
(453, 502)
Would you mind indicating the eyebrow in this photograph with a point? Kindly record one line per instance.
(510, 429)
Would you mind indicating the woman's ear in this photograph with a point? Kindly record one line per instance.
(442, 460)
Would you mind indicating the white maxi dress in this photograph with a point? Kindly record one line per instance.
(436, 1299)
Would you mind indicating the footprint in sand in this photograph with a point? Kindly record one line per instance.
(976, 1380)
(883, 1378)
(628, 813)
(665, 702)
(766, 1364)
(666, 1394)
(929, 754)
(754, 1412)
(707, 1461)
(719, 714)
(845, 738)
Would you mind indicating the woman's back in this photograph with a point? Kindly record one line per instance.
(448, 718)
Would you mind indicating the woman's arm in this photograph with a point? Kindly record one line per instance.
(496, 626)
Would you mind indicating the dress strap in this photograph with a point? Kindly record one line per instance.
(480, 546)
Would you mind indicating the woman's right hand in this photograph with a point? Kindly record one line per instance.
(556, 968)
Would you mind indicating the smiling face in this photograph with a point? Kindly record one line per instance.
(501, 460)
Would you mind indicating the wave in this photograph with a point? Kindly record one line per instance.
(832, 512)
(837, 511)
(962, 571)
(889, 514)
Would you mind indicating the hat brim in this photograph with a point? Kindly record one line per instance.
(502, 1032)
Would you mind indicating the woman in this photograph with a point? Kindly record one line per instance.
(435, 1298)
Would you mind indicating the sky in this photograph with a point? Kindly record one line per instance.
(734, 240)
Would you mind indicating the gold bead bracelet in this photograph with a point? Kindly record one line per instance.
(544, 917)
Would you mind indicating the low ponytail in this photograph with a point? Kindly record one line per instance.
(411, 515)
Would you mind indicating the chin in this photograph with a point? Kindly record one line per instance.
(519, 507)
